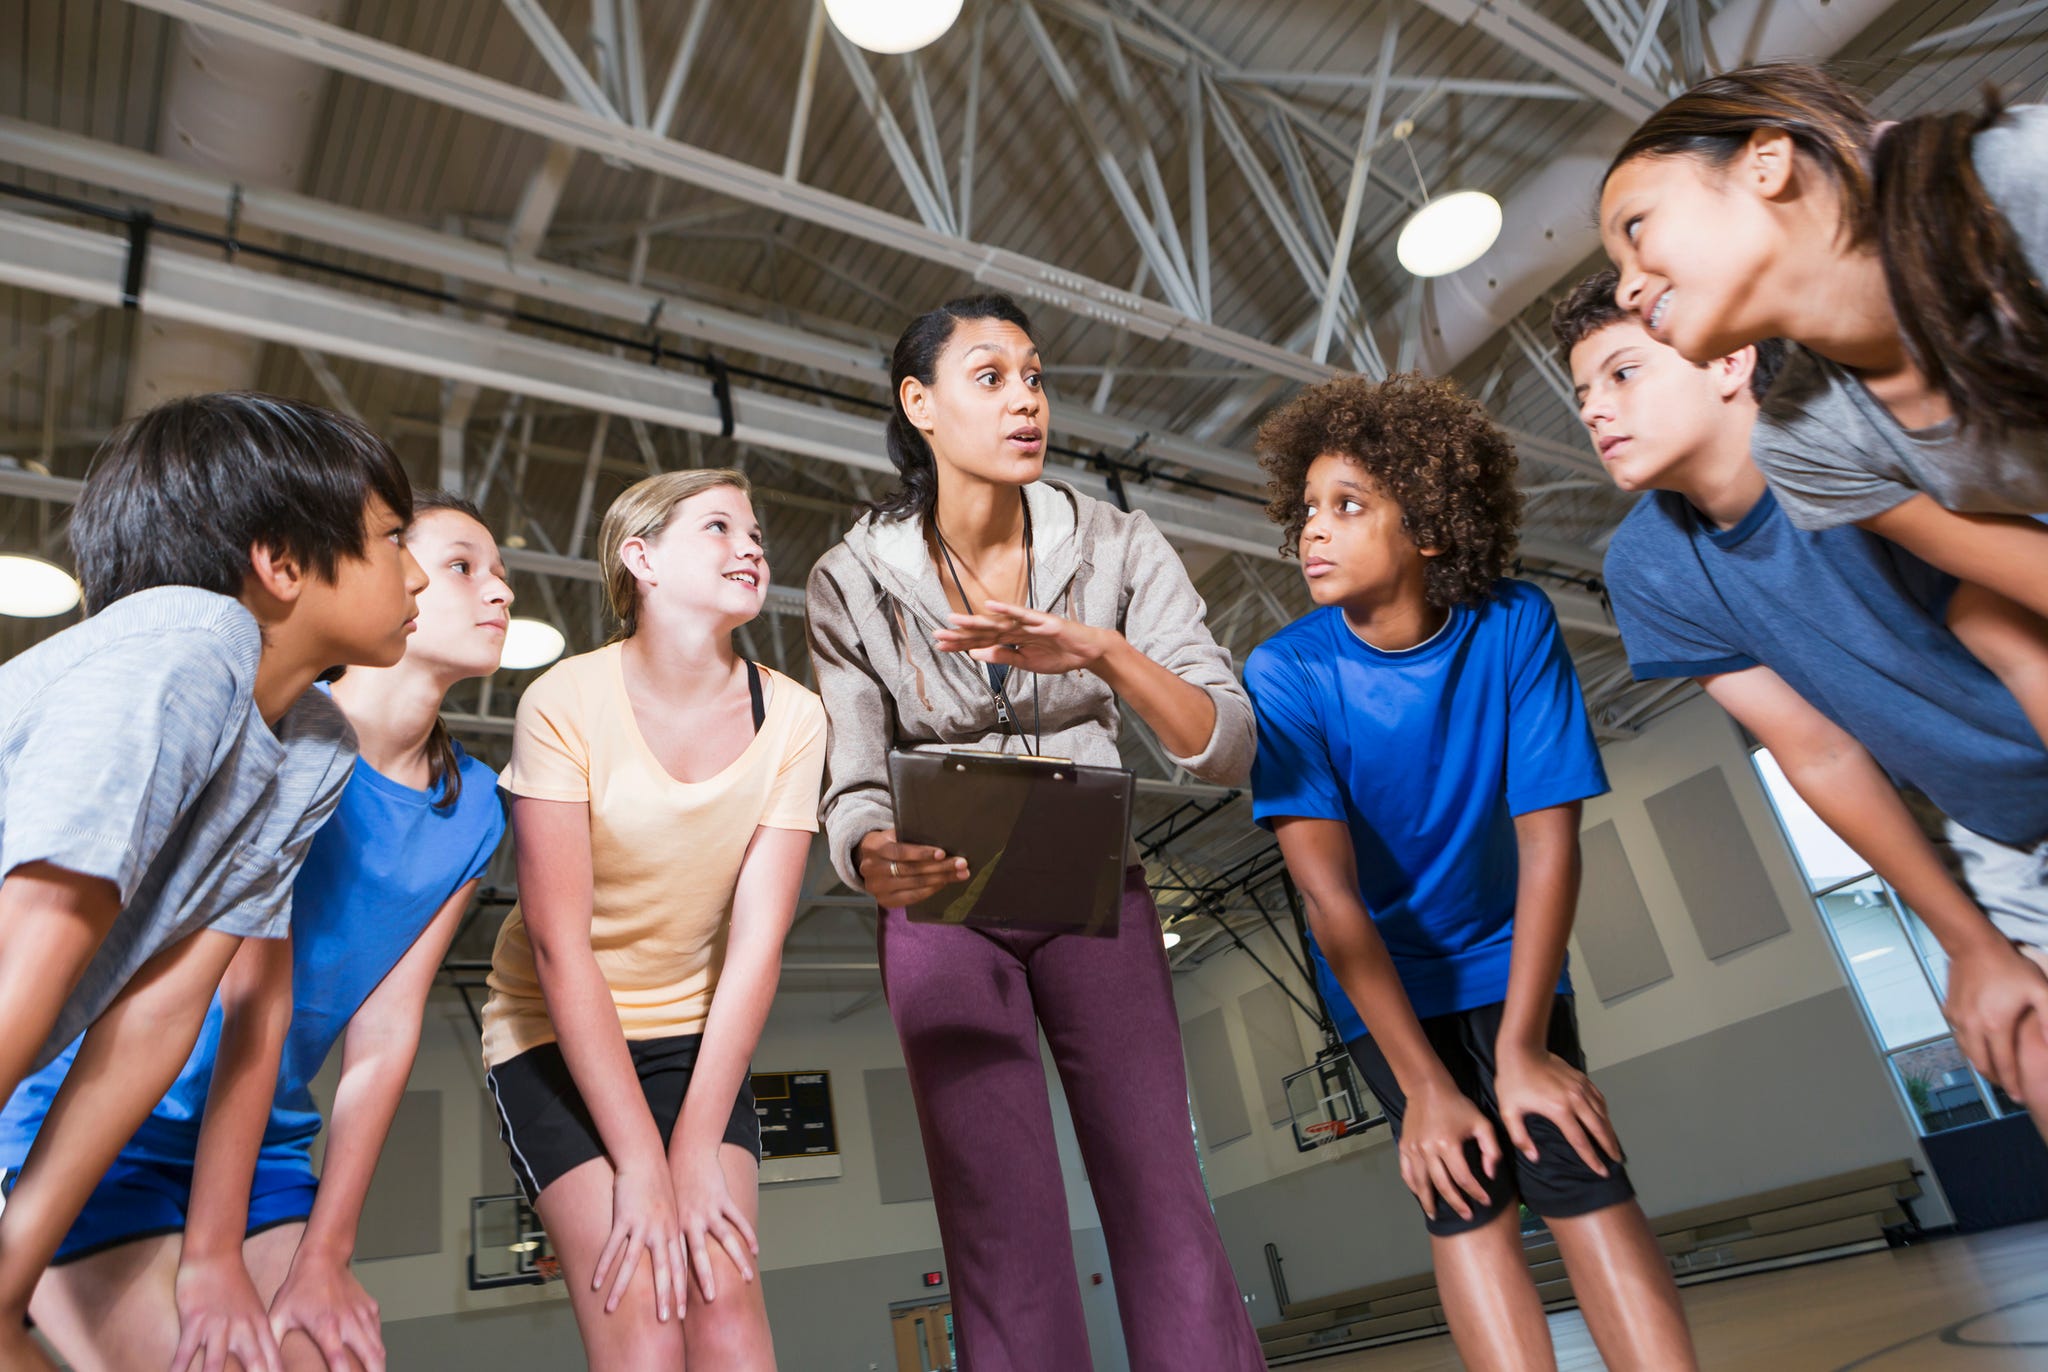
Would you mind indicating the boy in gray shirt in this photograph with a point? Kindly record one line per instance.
(163, 768)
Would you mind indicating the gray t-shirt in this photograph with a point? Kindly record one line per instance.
(131, 749)
(1834, 455)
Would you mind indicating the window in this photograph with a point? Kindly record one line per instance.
(1897, 968)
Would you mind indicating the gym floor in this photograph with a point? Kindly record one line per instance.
(1972, 1304)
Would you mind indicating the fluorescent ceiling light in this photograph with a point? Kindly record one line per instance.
(531, 643)
(1875, 953)
(892, 25)
(31, 588)
(1449, 233)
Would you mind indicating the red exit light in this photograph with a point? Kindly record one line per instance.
(935, 1279)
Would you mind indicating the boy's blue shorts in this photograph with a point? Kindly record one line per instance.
(143, 1197)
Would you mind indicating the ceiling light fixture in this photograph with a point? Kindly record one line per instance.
(531, 643)
(1172, 939)
(31, 588)
(1448, 233)
(892, 25)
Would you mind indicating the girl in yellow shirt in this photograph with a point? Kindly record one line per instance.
(665, 793)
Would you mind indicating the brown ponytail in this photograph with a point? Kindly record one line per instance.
(1973, 315)
(1973, 312)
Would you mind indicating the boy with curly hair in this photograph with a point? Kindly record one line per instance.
(1423, 753)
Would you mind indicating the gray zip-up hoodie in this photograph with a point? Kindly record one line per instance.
(874, 601)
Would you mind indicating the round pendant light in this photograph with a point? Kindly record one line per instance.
(531, 643)
(31, 588)
(1449, 233)
(1172, 939)
(892, 25)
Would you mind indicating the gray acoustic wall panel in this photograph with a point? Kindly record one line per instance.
(900, 1171)
(402, 1213)
(1719, 872)
(1276, 1044)
(1618, 944)
(1212, 1077)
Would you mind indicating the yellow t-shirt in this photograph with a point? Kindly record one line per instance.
(665, 855)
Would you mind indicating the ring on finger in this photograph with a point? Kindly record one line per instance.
(892, 869)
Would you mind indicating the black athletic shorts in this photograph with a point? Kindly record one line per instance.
(548, 1130)
(1558, 1185)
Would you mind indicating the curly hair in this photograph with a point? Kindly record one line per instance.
(1429, 447)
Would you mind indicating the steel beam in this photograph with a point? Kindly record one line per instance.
(561, 59)
(679, 70)
(1172, 280)
(1354, 195)
(1447, 85)
(446, 84)
(806, 85)
(1549, 46)
(923, 195)
(91, 266)
(170, 184)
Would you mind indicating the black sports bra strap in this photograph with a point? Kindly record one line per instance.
(754, 691)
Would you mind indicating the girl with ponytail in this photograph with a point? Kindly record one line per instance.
(1907, 261)
(373, 911)
(983, 606)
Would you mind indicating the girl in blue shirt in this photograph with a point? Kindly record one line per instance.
(170, 1259)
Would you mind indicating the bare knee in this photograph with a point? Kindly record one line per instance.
(631, 1337)
(730, 1332)
(301, 1354)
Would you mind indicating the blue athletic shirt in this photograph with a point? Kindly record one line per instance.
(1427, 756)
(1853, 623)
(377, 873)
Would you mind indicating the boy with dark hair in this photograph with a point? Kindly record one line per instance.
(1861, 668)
(1423, 753)
(163, 767)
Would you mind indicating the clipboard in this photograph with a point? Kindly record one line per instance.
(1045, 840)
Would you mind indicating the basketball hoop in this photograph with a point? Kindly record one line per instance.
(1335, 1129)
(548, 1268)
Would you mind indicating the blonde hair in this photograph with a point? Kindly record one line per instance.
(642, 511)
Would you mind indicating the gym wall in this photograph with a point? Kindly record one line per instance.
(1726, 1076)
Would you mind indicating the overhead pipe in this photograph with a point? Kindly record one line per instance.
(247, 114)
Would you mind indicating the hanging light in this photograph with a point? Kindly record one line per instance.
(1448, 233)
(1172, 939)
(892, 25)
(31, 588)
(531, 643)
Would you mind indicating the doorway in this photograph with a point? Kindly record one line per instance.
(924, 1337)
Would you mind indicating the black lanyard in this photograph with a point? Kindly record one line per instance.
(998, 675)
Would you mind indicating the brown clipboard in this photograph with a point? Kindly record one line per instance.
(1045, 840)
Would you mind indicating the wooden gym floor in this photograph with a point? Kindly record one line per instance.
(1972, 1304)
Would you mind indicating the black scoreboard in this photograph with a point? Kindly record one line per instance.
(795, 1110)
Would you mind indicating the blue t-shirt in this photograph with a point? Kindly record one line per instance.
(376, 875)
(1853, 623)
(1426, 756)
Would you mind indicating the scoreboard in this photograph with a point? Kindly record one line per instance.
(799, 1137)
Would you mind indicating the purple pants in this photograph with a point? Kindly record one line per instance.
(968, 1004)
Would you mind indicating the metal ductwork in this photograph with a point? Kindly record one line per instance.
(246, 113)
